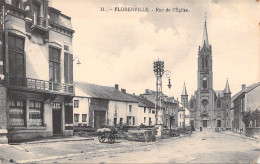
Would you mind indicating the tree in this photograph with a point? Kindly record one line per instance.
(247, 117)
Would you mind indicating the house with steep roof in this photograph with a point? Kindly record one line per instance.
(96, 104)
(247, 99)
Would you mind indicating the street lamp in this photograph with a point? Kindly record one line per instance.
(159, 72)
(78, 62)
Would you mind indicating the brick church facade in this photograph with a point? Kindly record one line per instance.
(209, 108)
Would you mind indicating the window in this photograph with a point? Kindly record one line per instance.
(15, 3)
(144, 109)
(150, 110)
(17, 112)
(191, 104)
(84, 117)
(204, 83)
(115, 121)
(68, 68)
(16, 56)
(130, 108)
(166, 110)
(76, 103)
(153, 112)
(150, 121)
(121, 121)
(218, 103)
(35, 113)
(227, 114)
(54, 64)
(76, 117)
(144, 120)
(54, 17)
(180, 116)
(129, 120)
(133, 120)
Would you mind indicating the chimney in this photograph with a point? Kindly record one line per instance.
(134, 94)
(116, 86)
(243, 86)
(146, 91)
(123, 90)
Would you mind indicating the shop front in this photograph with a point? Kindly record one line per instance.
(36, 115)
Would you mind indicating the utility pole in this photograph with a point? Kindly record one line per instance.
(159, 71)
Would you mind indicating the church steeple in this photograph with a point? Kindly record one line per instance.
(184, 91)
(205, 40)
(227, 89)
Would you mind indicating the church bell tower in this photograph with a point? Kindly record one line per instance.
(205, 92)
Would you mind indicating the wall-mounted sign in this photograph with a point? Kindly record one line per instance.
(56, 105)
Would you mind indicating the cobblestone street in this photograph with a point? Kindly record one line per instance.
(201, 147)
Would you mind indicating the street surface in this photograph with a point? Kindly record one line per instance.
(202, 147)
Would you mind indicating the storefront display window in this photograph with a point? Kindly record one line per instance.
(16, 112)
(35, 113)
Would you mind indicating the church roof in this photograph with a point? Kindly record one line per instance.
(227, 89)
(184, 91)
(205, 39)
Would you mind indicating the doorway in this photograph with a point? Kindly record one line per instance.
(99, 118)
(56, 122)
(218, 123)
(205, 123)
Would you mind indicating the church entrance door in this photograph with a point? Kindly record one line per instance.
(205, 123)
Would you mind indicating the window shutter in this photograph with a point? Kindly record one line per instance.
(66, 67)
(70, 69)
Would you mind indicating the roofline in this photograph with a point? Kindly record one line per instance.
(104, 99)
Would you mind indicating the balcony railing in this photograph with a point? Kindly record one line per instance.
(41, 85)
(40, 21)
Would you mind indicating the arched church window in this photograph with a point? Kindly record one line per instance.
(191, 104)
(202, 61)
(204, 82)
(218, 103)
(206, 62)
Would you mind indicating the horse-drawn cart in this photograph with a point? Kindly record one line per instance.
(107, 132)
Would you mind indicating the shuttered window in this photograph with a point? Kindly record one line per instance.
(68, 68)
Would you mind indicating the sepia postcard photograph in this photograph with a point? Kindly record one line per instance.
(129, 81)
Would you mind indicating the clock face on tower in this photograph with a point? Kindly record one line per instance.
(204, 78)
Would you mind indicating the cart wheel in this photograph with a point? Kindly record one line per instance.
(111, 138)
(101, 138)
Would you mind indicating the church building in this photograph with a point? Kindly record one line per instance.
(209, 108)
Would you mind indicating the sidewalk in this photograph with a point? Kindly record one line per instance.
(16, 153)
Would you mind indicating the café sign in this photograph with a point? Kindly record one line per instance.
(56, 105)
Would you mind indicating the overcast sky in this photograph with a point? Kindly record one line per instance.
(120, 47)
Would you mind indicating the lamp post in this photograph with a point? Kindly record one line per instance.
(159, 72)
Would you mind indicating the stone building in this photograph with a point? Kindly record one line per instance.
(209, 108)
(36, 70)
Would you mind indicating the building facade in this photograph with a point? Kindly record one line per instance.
(37, 70)
(209, 108)
(95, 105)
(248, 99)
